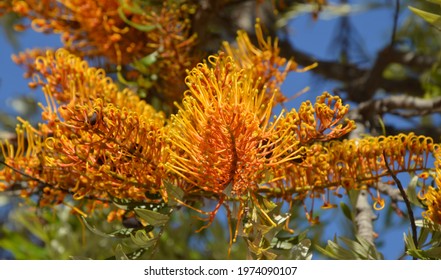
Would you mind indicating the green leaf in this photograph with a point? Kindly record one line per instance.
(422, 238)
(95, 230)
(358, 249)
(141, 239)
(173, 192)
(433, 253)
(140, 27)
(136, 254)
(151, 217)
(346, 211)
(412, 193)
(427, 224)
(431, 18)
(21, 246)
(35, 227)
(119, 253)
(435, 1)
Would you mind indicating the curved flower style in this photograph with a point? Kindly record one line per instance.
(264, 61)
(97, 141)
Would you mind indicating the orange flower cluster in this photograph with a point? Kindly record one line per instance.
(433, 195)
(97, 141)
(123, 32)
(351, 164)
(27, 59)
(116, 29)
(222, 141)
(214, 138)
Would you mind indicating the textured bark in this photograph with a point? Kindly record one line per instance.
(364, 216)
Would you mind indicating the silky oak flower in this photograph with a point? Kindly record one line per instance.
(96, 141)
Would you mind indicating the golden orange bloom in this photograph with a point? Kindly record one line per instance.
(214, 138)
(96, 140)
(155, 40)
(433, 202)
(350, 164)
(433, 195)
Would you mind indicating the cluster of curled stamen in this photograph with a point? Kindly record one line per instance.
(330, 166)
(264, 61)
(432, 198)
(96, 141)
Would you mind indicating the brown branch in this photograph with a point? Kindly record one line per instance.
(414, 105)
(43, 184)
(394, 29)
(390, 191)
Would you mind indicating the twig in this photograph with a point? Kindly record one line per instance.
(394, 29)
(406, 201)
(44, 184)
(25, 175)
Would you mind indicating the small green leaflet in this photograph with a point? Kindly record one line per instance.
(151, 217)
(173, 192)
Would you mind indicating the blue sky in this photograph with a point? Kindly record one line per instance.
(315, 36)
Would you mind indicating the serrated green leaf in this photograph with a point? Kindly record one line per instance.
(126, 204)
(286, 243)
(353, 196)
(151, 217)
(119, 253)
(371, 252)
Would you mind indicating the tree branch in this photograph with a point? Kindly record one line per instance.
(364, 216)
(361, 84)
(419, 106)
